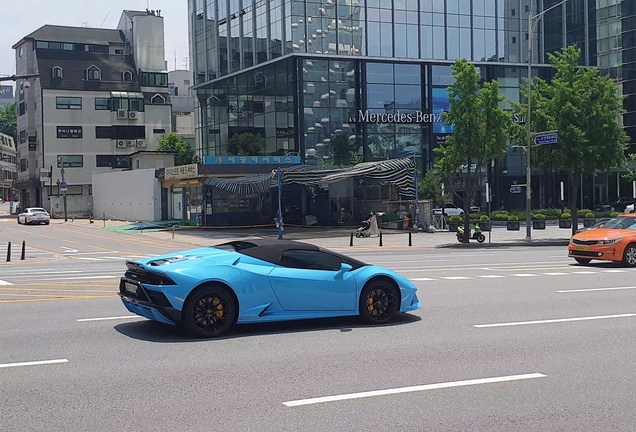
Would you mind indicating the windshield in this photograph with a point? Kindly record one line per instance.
(621, 223)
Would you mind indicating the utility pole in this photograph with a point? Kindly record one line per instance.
(63, 181)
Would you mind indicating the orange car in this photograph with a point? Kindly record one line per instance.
(615, 241)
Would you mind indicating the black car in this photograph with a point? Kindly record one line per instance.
(618, 205)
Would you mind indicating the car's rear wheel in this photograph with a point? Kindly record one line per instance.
(584, 261)
(379, 302)
(629, 256)
(210, 311)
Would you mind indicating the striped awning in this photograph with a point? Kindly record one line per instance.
(395, 171)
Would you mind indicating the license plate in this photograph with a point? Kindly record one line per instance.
(582, 248)
(131, 288)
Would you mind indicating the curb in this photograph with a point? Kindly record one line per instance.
(536, 243)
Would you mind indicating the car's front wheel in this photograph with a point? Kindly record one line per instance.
(379, 302)
(210, 311)
(629, 257)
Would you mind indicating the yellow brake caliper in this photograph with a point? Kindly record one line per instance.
(219, 307)
(370, 304)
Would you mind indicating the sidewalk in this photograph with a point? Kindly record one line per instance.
(337, 237)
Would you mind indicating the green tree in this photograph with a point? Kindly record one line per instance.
(175, 142)
(9, 121)
(480, 134)
(246, 144)
(584, 107)
(430, 187)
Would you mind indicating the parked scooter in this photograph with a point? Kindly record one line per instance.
(477, 235)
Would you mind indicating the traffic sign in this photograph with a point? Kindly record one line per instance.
(550, 138)
(515, 189)
(63, 186)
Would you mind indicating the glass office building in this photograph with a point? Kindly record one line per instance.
(324, 78)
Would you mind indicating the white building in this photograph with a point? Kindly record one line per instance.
(8, 168)
(183, 121)
(101, 95)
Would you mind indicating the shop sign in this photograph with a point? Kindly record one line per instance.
(365, 116)
(252, 160)
(182, 172)
(69, 132)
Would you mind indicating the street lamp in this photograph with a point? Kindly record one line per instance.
(531, 28)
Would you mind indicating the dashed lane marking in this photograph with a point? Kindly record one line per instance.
(524, 275)
(555, 274)
(5, 283)
(423, 279)
(33, 363)
(491, 276)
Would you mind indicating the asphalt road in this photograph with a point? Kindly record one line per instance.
(517, 339)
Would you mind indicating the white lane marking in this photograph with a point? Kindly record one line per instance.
(554, 320)
(30, 274)
(85, 277)
(455, 277)
(108, 318)
(33, 363)
(555, 274)
(584, 272)
(69, 250)
(422, 279)
(412, 389)
(524, 275)
(615, 271)
(491, 276)
(597, 289)
(92, 253)
(87, 259)
(5, 283)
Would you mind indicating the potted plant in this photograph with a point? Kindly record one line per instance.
(565, 221)
(538, 221)
(589, 220)
(454, 222)
(513, 223)
(484, 223)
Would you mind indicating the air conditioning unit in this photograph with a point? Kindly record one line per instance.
(141, 143)
(133, 115)
(121, 144)
(122, 114)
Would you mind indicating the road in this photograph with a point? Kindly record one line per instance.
(507, 339)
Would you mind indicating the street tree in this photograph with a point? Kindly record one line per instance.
(246, 144)
(481, 130)
(584, 108)
(9, 120)
(430, 187)
(174, 142)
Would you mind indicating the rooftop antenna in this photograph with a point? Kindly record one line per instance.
(175, 58)
(101, 26)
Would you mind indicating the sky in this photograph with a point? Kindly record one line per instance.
(21, 17)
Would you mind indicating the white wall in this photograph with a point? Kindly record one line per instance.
(148, 43)
(128, 195)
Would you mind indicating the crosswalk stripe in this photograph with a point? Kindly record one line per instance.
(555, 274)
(456, 277)
(584, 272)
(491, 276)
(615, 271)
(525, 275)
(422, 279)
(5, 283)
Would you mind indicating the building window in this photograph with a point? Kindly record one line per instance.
(70, 161)
(24, 165)
(102, 104)
(22, 108)
(102, 132)
(513, 12)
(514, 39)
(74, 103)
(159, 131)
(127, 76)
(23, 137)
(133, 101)
(158, 100)
(119, 51)
(57, 72)
(93, 74)
(153, 79)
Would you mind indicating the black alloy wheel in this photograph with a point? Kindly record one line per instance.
(210, 311)
(379, 302)
(629, 258)
(584, 261)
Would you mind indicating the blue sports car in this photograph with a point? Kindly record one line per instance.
(208, 290)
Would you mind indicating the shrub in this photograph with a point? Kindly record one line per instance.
(513, 218)
(566, 215)
(484, 218)
(550, 213)
(583, 212)
(538, 216)
(499, 215)
(455, 219)
(474, 216)
(589, 215)
(614, 214)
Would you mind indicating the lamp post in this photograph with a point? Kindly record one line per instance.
(532, 21)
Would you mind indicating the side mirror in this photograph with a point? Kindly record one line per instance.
(343, 269)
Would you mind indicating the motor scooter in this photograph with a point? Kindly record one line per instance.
(477, 235)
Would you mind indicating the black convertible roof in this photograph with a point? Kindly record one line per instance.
(271, 250)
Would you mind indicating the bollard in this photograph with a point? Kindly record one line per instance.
(173, 226)
(351, 240)
(410, 240)
(23, 255)
(90, 218)
(104, 218)
(380, 238)
(72, 218)
(9, 252)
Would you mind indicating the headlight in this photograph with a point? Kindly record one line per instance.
(610, 241)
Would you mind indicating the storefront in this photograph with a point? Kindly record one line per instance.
(181, 196)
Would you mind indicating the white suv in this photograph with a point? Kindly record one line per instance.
(450, 209)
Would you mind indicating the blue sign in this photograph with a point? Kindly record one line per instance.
(252, 160)
(515, 189)
(63, 186)
(551, 138)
